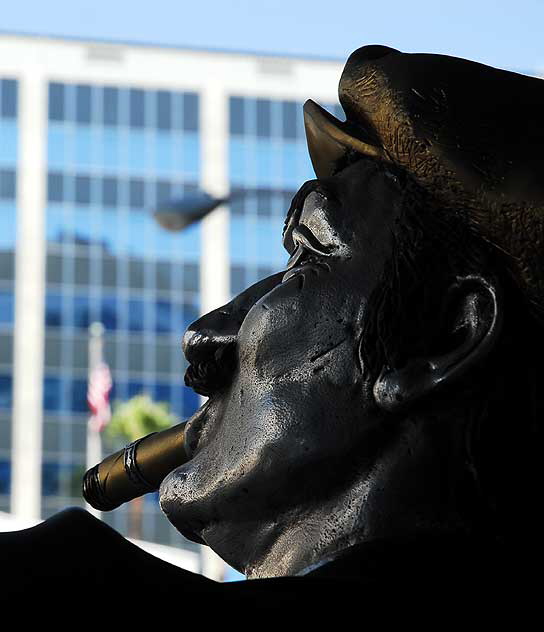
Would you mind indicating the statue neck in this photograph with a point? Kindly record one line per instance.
(413, 490)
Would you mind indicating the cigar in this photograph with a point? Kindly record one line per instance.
(137, 469)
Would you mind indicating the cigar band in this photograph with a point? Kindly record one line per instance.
(134, 473)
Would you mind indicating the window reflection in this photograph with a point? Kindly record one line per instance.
(190, 112)
(78, 395)
(110, 105)
(137, 108)
(53, 310)
(83, 104)
(108, 312)
(135, 315)
(82, 189)
(5, 391)
(264, 126)
(7, 184)
(164, 110)
(82, 312)
(56, 102)
(236, 110)
(8, 103)
(163, 317)
(52, 394)
(6, 307)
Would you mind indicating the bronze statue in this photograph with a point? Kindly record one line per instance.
(375, 409)
(386, 385)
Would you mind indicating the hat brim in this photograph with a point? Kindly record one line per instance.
(330, 139)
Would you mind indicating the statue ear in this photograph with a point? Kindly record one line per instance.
(473, 314)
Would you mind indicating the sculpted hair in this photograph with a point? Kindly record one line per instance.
(504, 400)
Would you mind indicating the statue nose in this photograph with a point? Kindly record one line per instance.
(211, 334)
(206, 335)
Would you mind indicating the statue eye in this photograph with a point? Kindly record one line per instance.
(301, 256)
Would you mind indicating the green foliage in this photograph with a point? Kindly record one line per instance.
(138, 417)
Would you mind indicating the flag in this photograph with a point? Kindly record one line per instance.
(98, 396)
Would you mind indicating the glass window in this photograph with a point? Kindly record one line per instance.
(264, 203)
(163, 317)
(82, 312)
(9, 98)
(55, 187)
(5, 477)
(263, 118)
(190, 112)
(163, 353)
(135, 315)
(83, 189)
(289, 116)
(191, 281)
(236, 109)
(109, 271)
(6, 307)
(80, 352)
(50, 479)
(82, 271)
(238, 199)
(109, 191)
(108, 312)
(52, 394)
(237, 279)
(78, 396)
(135, 388)
(162, 392)
(137, 193)
(7, 184)
(56, 102)
(135, 356)
(83, 104)
(164, 110)
(53, 269)
(137, 108)
(162, 275)
(7, 266)
(164, 191)
(136, 273)
(53, 310)
(5, 391)
(6, 350)
(110, 106)
(53, 351)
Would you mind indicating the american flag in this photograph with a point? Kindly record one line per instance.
(98, 396)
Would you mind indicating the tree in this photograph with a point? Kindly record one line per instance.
(136, 418)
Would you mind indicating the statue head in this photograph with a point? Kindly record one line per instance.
(385, 384)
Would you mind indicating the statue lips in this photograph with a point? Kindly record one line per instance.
(194, 428)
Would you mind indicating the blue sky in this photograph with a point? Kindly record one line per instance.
(507, 34)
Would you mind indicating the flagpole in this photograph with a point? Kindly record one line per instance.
(94, 442)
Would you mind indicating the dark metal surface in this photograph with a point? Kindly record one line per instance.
(386, 384)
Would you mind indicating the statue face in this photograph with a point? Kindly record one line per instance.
(298, 454)
(278, 432)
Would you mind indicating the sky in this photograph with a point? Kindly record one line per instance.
(507, 34)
